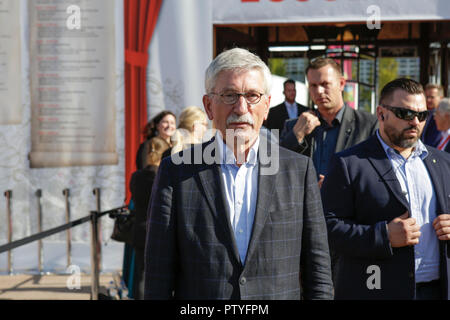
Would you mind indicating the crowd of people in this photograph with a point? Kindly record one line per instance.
(358, 207)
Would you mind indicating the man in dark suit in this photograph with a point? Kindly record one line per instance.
(289, 109)
(442, 121)
(434, 93)
(237, 217)
(333, 126)
(386, 202)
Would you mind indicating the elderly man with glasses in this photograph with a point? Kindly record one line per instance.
(386, 202)
(227, 224)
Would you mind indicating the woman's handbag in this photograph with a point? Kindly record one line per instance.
(123, 227)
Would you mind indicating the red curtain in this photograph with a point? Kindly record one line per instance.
(140, 22)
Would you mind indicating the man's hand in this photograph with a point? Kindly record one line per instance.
(306, 123)
(403, 231)
(321, 177)
(442, 226)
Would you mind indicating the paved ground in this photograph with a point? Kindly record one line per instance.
(48, 287)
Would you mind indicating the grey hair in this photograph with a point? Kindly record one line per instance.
(444, 105)
(236, 59)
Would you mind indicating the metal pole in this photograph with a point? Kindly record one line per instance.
(8, 195)
(69, 233)
(96, 192)
(40, 247)
(94, 256)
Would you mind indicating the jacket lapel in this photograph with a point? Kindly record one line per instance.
(211, 183)
(266, 189)
(285, 113)
(346, 128)
(436, 175)
(383, 166)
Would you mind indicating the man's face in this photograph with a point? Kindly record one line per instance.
(325, 87)
(290, 92)
(400, 133)
(243, 118)
(442, 120)
(433, 98)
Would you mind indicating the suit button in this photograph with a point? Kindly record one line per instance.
(242, 281)
(411, 274)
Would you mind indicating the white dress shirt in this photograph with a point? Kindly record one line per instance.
(241, 190)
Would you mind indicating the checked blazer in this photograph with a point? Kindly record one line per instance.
(191, 252)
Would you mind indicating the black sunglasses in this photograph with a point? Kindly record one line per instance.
(406, 114)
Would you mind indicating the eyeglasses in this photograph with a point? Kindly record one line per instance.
(406, 114)
(233, 97)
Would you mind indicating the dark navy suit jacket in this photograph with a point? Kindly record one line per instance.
(431, 134)
(278, 115)
(191, 251)
(361, 194)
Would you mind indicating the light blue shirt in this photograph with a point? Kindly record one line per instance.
(292, 109)
(241, 190)
(418, 189)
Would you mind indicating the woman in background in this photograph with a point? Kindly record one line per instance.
(193, 123)
(163, 125)
(141, 188)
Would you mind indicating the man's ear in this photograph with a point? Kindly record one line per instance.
(267, 107)
(380, 113)
(207, 105)
(342, 83)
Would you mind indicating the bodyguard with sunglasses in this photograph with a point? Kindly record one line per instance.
(386, 202)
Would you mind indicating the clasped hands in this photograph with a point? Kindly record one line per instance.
(404, 231)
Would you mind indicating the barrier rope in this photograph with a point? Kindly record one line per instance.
(47, 233)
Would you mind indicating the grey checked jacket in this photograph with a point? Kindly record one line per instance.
(190, 248)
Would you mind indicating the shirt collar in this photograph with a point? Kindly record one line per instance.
(337, 119)
(227, 155)
(290, 105)
(419, 150)
(340, 114)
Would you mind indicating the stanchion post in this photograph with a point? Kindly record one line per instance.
(40, 247)
(66, 194)
(8, 195)
(94, 256)
(97, 194)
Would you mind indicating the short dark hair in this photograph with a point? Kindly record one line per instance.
(291, 81)
(409, 85)
(438, 87)
(322, 62)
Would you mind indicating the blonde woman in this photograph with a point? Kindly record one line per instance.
(193, 123)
